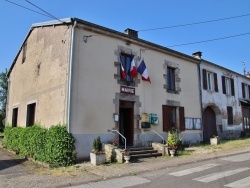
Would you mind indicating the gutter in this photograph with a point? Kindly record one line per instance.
(200, 92)
(70, 76)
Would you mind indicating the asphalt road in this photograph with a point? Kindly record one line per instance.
(10, 169)
(233, 171)
(10, 166)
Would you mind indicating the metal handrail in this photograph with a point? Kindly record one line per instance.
(158, 135)
(120, 135)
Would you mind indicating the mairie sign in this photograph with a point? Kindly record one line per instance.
(128, 90)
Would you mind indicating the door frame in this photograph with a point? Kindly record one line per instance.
(126, 108)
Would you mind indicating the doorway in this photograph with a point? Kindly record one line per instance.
(126, 122)
(209, 124)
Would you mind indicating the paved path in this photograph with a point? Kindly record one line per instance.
(10, 165)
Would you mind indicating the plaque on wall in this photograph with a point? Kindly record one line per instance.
(128, 90)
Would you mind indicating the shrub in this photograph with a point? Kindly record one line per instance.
(12, 138)
(97, 145)
(59, 146)
(54, 146)
(32, 142)
(174, 140)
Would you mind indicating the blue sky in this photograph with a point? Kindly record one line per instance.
(140, 15)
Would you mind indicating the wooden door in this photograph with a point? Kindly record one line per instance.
(126, 122)
(209, 124)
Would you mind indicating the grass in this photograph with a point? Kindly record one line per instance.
(184, 153)
(224, 145)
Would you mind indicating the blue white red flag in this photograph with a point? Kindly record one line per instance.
(123, 73)
(142, 69)
(133, 71)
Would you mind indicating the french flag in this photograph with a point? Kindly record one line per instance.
(133, 71)
(142, 69)
(123, 73)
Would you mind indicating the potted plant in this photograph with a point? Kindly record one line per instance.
(97, 155)
(126, 155)
(174, 142)
(214, 140)
(115, 143)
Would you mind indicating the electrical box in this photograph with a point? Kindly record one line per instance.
(145, 121)
(145, 118)
(145, 125)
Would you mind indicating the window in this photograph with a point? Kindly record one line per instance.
(227, 86)
(210, 81)
(24, 52)
(126, 63)
(230, 115)
(245, 90)
(31, 111)
(246, 124)
(14, 117)
(193, 123)
(170, 118)
(171, 78)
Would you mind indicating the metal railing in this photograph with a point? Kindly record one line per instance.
(120, 135)
(163, 140)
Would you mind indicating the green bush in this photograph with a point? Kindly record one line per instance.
(54, 146)
(174, 140)
(12, 138)
(97, 144)
(32, 142)
(59, 146)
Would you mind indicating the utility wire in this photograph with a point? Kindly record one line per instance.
(195, 23)
(44, 11)
(168, 27)
(27, 8)
(210, 40)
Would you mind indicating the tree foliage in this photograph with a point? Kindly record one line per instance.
(3, 96)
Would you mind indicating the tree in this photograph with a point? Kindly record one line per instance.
(3, 97)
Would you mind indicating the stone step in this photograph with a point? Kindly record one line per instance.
(147, 155)
(137, 152)
(142, 152)
(132, 148)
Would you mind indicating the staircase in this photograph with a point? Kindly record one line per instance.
(142, 152)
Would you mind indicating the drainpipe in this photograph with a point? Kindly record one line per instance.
(198, 56)
(200, 91)
(70, 75)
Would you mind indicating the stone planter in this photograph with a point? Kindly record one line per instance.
(127, 158)
(172, 152)
(97, 158)
(214, 141)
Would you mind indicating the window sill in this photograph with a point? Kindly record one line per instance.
(172, 91)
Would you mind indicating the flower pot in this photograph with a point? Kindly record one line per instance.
(127, 158)
(172, 152)
(214, 141)
(97, 158)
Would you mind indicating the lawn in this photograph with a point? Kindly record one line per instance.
(225, 145)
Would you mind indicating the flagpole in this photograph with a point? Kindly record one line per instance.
(144, 96)
(145, 77)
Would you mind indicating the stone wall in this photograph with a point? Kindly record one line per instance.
(159, 147)
(113, 154)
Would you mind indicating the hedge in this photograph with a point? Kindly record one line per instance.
(54, 146)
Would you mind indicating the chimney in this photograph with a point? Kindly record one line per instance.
(131, 33)
(197, 55)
